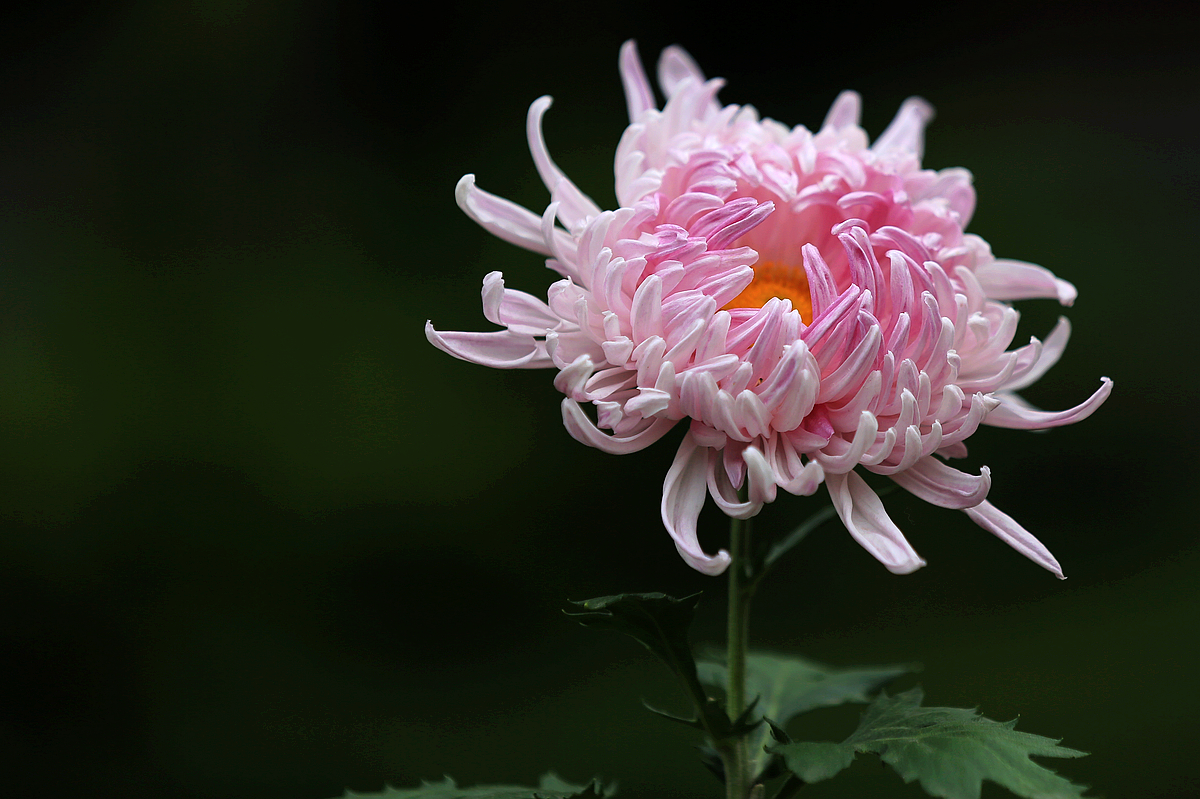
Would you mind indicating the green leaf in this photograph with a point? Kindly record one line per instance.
(659, 622)
(787, 686)
(550, 787)
(951, 751)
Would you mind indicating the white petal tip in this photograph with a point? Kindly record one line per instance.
(712, 566)
(907, 567)
(537, 110)
(1066, 291)
(463, 189)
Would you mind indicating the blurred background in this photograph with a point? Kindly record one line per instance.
(259, 539)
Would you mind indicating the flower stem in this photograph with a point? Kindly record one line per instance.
(737, 765)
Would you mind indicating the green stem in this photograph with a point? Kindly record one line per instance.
(739, 612)
(737, 765)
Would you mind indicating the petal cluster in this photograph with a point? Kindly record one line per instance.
(807, 302)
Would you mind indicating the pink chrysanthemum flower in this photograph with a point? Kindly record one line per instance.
(808, 303)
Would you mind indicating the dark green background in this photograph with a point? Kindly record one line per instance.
(259, 539)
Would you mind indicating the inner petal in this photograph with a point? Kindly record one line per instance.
(772, 279)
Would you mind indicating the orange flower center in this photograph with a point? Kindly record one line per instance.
(776, 280)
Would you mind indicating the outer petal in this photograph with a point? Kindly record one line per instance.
(502, 218)
(582, 430)
(501, 349)
(1010, 532)
(723, 492)
(1016, 415)
(864, 516)
(1052, 350)
(674, 67)
(683, 496)
(639, 97)
(520, 312)
(576, 206)
(760, 477)
(906, 133)
(844, 113)
(942, 485)
(1016, 280)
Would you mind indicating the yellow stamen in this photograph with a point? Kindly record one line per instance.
(776, 280)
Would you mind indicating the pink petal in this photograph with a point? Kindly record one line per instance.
(864, 516)
(576, 207)
(639, 97)
(906, 133)
(1017, 280)
(574, 378)
(760, 476)
(840, 456)
(519, 312)
(584, 431)
(804, 483)
(646, 312)
(1012, 415)
(1052, 350)
(674, 67)
(1010, 532)
(683, 497)
(501, 349)
(848, 377)
(946, 487)
(502, 218)
(723, 492)
(844, 112)
(954, 186)
(822, 287)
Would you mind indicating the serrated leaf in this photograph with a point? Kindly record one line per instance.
(787, 686)
(550, 787)
(950, 751)
(660, 623)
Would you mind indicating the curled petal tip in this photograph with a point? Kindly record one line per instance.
(462, 191)
(1016, 414)
(712, 566)
(906, 567)
(683, 495)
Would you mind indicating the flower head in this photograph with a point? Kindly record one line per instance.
(806, 302)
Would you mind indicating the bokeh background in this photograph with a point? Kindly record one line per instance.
(259, 539)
